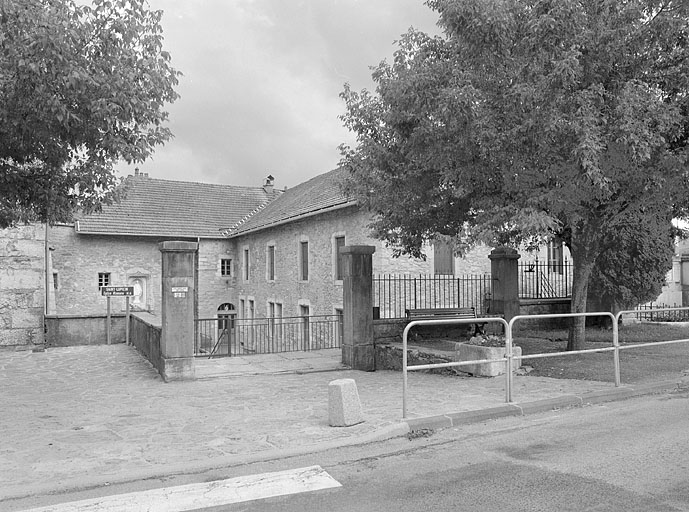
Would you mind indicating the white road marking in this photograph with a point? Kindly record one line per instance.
(207, 494)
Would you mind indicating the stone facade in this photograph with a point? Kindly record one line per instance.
(321, 291)
(78, 259)
(22, 286)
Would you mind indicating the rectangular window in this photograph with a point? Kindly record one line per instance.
(339, 270)
(226, 267)
(103, 279)
(246, 264)
(555, 256)
(443, 258)
(270, 262)
(55, 280)
(304, 260)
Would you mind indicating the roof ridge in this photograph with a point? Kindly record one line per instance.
(224, 185)
(236, 225)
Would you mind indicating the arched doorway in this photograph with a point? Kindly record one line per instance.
(226, 323)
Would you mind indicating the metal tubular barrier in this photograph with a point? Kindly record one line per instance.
(507, 359)
(615, 342)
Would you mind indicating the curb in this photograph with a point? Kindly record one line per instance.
(537, 406)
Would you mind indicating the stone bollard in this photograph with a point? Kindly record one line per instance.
(344, 407)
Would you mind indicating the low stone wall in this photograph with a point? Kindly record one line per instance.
(544, 307)
(144, 333)
(389, 357)
(70, 330)
(390, 331)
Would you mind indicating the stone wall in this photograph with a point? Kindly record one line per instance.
(214, 289)
(79, 258)
(22, 286)
(71, 330)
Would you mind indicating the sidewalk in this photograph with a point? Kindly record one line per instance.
(86, 416)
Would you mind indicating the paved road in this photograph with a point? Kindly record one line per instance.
(620, 456)
(623, 456)
(87, 416)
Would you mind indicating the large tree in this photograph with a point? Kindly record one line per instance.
(81, 88)
(528, 118)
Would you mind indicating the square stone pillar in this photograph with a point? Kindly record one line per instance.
(504, 269)
(177, 306)
(357, 345)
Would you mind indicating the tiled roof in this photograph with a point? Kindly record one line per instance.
(154, 207)
(319, 194)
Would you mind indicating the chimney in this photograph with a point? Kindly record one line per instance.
(136, 171)
(268, 185)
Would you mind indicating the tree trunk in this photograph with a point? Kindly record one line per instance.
(583, 264)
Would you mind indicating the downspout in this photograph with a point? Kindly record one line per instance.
(196, 277)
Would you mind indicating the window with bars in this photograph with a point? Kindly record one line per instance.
(103, 279)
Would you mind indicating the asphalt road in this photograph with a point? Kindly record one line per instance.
(622, 456)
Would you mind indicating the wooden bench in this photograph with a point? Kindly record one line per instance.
(438, 313)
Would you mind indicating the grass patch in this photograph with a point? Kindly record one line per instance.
(645, 364)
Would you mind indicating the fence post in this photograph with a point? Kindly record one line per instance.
(505, 273)
(357, 345)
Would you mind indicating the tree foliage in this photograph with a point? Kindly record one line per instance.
(81, 87)
(528, 118)
(633, 266)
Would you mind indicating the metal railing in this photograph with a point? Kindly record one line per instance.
(395, 293)
(656, 312)
(545, 279)
(231, 336)
(508, 359)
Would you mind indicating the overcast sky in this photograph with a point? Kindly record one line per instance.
(261, 84)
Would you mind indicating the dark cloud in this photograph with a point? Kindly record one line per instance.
(261, 82)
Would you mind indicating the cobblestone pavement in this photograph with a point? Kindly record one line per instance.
(81, 416)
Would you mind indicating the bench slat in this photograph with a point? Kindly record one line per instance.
(436, 312)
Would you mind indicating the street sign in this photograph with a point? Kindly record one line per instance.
(117, 291)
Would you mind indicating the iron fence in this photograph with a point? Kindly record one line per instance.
(545, 279)
(395, 293)
(231, 336)
(658, 312)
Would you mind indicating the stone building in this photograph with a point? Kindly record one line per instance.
(261, 252)
(119, 247)
(289, 263)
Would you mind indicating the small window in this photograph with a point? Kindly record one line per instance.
(103, 279)
(304, 261)
(246, 264)
(339, 268)
(270, 262)
(226, 267)
(55, 280)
